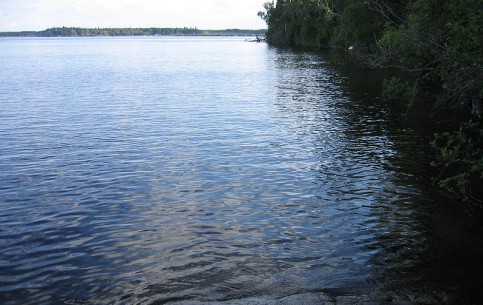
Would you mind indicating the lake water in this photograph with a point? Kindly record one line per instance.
(143, 170)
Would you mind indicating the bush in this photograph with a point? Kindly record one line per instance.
(397, 89)
(460, 155)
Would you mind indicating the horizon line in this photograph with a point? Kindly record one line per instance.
(153, 27)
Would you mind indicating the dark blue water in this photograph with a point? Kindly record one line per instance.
(135, 170)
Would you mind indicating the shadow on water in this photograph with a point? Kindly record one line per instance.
(417, 240)
(229, 170)
(424, 241)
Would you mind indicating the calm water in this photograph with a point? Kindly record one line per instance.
(136, 170)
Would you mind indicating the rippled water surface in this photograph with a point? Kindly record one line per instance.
(135, 170)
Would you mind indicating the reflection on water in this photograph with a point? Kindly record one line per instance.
(155, 169)
(357, 169)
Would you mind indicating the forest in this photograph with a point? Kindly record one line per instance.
(80, 32)
(437, 42)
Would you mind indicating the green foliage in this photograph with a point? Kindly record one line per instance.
(460, 155)
(391, 40)
(302, 23)
(438, 41)
(68, 32)
(357, 25)
(397, 89)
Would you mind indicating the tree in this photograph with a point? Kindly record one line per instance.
(438, 41)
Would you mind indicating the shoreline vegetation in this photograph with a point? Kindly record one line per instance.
(90, 32)
(436, 43)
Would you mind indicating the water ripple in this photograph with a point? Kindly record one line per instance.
(132, 173)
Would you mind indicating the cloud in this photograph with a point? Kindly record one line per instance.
(213, 14)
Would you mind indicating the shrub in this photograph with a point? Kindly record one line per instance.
(460, 155)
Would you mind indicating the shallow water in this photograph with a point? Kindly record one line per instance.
(135, 170)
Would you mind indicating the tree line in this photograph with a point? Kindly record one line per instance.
(440, 42)
(81, 32)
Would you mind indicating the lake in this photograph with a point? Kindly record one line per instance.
(155, 169)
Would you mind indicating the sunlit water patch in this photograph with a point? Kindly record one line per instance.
(151, 169)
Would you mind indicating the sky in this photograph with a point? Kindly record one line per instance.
(37, 15)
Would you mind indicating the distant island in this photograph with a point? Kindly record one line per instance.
(81, 32)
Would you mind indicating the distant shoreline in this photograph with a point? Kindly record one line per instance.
(92, 32)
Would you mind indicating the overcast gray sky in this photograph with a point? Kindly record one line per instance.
(18, 15)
